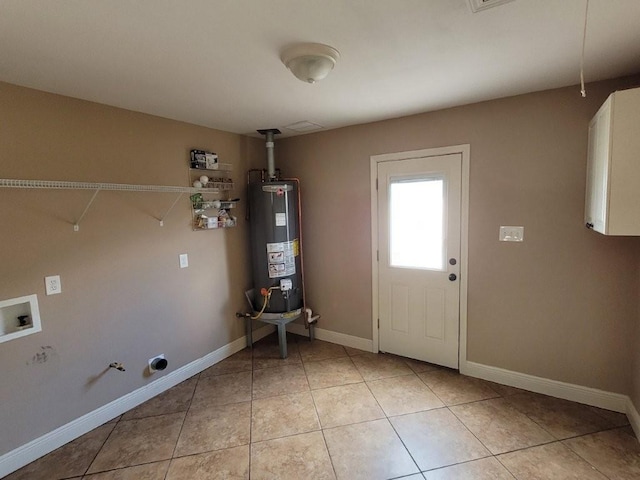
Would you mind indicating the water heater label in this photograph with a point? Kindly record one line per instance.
(281, 219)
(282, 259)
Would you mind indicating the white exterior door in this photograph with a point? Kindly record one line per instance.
(419, 203)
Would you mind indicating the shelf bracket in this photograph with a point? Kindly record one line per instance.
(76, 226)
(170, 208)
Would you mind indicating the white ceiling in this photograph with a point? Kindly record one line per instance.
(216, 62)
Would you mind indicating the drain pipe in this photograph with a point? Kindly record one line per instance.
(271, 165)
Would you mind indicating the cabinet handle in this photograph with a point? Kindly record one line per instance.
(589, 225)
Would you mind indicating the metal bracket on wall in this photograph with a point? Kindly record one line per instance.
(98, 187)
(76, 226)
(170, 208)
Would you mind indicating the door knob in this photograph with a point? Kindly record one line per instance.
(452, 277)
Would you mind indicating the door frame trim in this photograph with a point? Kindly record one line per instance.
(465, 151)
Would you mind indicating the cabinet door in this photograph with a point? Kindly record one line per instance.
(598, 170)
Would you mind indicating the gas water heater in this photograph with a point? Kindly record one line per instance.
(275, 244)
(274, 217)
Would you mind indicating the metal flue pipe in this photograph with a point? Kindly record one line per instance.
(271, 164)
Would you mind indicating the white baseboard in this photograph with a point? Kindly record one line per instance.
(634, 418)
(576, 393)
(39, 447)
(333, 337)
(21, 456)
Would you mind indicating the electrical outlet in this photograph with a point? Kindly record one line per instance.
(52, 285)
(184, 260)
(511, 234)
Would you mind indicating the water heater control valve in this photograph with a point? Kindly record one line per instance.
(286, 284)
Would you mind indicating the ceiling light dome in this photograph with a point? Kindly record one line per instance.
(310, 62)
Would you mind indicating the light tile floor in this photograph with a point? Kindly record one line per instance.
(328, 412)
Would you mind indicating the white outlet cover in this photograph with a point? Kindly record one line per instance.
(511, 234)
(52, 285)
(184, 260)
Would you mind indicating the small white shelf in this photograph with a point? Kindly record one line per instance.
(19, 317)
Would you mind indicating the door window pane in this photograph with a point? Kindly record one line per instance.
(416, 223)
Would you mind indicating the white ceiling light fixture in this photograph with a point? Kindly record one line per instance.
(310, 62)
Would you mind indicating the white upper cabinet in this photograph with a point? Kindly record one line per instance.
(613, 170)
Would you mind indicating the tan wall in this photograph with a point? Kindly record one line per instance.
(123, 296)
(561, 305)
(635, 371)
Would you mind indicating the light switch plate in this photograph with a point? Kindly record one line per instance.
(184, 260)
(52, 285)
(511, 234)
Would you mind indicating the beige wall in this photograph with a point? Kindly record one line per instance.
(562, 305)
(123, 296)
(635, 371)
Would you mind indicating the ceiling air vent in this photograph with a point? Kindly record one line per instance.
(478, 5)
(304, 126)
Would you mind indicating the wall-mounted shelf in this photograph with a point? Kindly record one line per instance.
(98, 187)
(19, 317)
(210, 205)
(221, 167)
(62, 185)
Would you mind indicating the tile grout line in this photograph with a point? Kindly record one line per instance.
(556, 440)
(468, 429)
(506, 468)
(560, 440)
(581, 457)
(120, 419)
(393, 427)
(173, 454)
(101, 447)
(104, 443)
(405, 447)
(119, 468)
(324, 438)
(431, 390)
(491, 454)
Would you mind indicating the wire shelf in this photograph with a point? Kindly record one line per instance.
(214, 187)
(123, 187)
